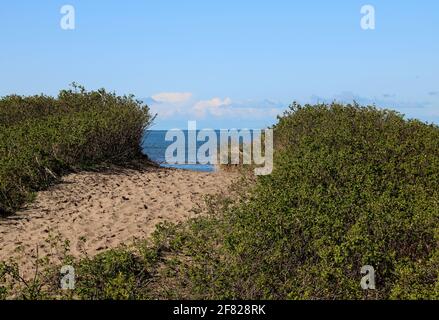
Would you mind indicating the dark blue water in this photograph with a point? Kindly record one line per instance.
(154, 146)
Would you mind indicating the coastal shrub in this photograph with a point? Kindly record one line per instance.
(113, 275)
(351, 186)
(42, 137)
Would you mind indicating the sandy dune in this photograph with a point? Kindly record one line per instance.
(105, 209)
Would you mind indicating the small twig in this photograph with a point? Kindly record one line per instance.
(36, 267)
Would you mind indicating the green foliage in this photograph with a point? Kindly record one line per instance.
(113, 275)
(351, 186)
(43, 137)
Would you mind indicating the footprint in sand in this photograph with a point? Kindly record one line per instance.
(90, 204)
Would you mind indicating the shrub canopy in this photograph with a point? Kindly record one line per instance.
(42, 137)
(351, 186)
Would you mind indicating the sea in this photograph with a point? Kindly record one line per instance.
(154, 145)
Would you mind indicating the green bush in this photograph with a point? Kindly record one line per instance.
(351, 186)
(43, 137)
(116, 275)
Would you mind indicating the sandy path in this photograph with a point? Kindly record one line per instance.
(105, 209)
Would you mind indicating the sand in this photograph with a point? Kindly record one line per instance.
(98, 211)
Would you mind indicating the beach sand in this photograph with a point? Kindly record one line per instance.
(106, 209)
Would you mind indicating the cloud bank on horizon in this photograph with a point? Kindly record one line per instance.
(174, 109)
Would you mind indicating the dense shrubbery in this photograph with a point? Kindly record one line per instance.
(351, 186)
(42, 137)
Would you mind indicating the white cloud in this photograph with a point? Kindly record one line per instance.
(172, 97)
(169, 105)
(214, 106)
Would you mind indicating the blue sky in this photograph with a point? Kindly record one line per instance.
(227, 63)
